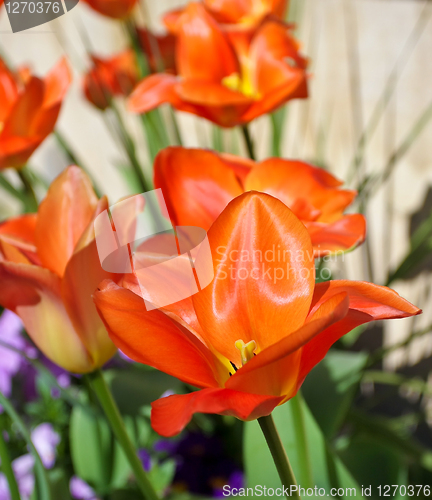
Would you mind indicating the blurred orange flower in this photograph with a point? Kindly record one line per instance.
(249, 339)
(159, 50)
(115, 76)
(235, 13)
(116, 9)
(212, 180)
(29, 108)
(229, 78)
(49, 268)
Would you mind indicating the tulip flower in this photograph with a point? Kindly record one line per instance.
(159, 50)
(248, 340)
(227, 78)
(29, 108)
(212, 180)
(49, 268)
(236, 13)
(116, 9)
(115, 76)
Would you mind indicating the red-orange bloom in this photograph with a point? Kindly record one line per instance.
(249, 339)
(116, 9)
(229, 78)
(235, 13)
(115, 76)
(49, 268)
(29, 108)
(211, 181)
(159, 50)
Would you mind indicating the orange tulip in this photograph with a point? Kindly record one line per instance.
(211, 181)
(159, 50)
(115, 76)
(49, 268)
(249, 339)
(29, 108)
(116, 9)
(235, 13)
(227, 78)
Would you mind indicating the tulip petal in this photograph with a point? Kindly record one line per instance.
(203, 51)
(274, 371)
(63, 216)
(8, 90)
(212, 94)
(345, 233)
(367, 302)
(197, 185)
(154, 91)
(34, 294)
(264, 275)
(82, 275)
(171, 414)
(152, 338)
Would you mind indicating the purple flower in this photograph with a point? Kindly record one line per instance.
(236, 480)
(46, 440)
(80, 490)
(10, 361)
(145, 458)
(23, 470)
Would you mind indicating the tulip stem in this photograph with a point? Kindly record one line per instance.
(115, 420)
(249, 142)
(7, 468)
(31, 203)
(279, 455)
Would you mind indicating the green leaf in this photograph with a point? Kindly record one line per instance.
(161, 475)
(90, 444)
(277, 122)
(331, 386)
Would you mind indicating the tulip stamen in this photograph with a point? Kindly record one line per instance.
(246, 350)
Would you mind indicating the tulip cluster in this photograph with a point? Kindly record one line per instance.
(247, 340)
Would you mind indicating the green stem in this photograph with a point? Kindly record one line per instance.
(115, 420)
(279, 455)
(131, 150)
(31, 200)
(249, 143)
(302, 445)
(7, 468)
(42, 478)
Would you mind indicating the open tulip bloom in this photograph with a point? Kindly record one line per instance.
(213, 180)
(227, 77)
(49, 268)
(249, 339)
(29, 107)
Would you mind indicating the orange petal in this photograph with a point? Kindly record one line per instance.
(196, 184)
(274, 371)
(24, 111)
(367, 302)
(345, 233)
(34, 294)
(264, 275)
(22, 228)
(170, 415)
(63, 216)
(203, 51)
(291, 180)
(211, 94)
(154, 91)
(153, 338)
(116, 9)
(8, 90)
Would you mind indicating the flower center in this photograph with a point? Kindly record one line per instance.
(246, 350)
(241, 83)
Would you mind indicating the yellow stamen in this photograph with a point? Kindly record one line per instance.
(246, 350)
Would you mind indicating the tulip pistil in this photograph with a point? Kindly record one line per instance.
(246, 350)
